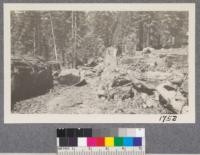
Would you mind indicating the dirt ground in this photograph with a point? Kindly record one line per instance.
(153, 69)
(75, 100)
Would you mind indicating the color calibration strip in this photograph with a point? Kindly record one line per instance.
(87, 141)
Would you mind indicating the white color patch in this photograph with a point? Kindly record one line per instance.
(140, 132)
(82, 141)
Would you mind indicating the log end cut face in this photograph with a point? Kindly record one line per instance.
(29, 78)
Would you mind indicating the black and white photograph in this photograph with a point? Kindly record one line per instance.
(71, 60)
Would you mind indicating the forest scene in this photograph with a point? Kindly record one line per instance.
(99, 62)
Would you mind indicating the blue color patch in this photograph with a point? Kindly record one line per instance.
(128, 141)
(137, 141)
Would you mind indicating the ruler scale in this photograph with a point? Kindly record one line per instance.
(87, 141)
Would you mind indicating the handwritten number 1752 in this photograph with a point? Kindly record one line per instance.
(166, 118)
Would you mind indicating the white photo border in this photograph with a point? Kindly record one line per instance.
(97, 118)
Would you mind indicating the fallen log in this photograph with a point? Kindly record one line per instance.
(120, 82)
(172, 99)
(81, 83)
(140, 86)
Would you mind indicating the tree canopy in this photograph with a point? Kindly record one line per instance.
(71, 36)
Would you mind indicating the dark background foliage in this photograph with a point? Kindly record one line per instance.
(67, 36)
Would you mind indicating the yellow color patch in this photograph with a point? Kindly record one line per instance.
(109, 141)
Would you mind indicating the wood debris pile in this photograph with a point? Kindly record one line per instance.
(153, 86)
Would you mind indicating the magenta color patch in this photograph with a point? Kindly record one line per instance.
(91, 141)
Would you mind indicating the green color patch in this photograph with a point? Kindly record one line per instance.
(118, 141)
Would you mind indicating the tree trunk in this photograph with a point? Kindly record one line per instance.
(118, 29)
(140, 36)
(54, 41)
(74, 31)
(34, 45)
(73, 44)
(75, 41)
(37, 34)
(63, 57)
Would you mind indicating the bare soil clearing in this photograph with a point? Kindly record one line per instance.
(109, 90)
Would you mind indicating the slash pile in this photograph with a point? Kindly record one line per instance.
(148, 80)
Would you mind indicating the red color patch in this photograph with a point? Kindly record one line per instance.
(100, 141)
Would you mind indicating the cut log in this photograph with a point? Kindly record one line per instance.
(81, 83)
(142, 87)
(171, 99)
(120, 82)
(30, 77)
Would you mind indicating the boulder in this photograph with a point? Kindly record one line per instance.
(69, 77)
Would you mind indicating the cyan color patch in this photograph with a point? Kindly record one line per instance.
(128, 141)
